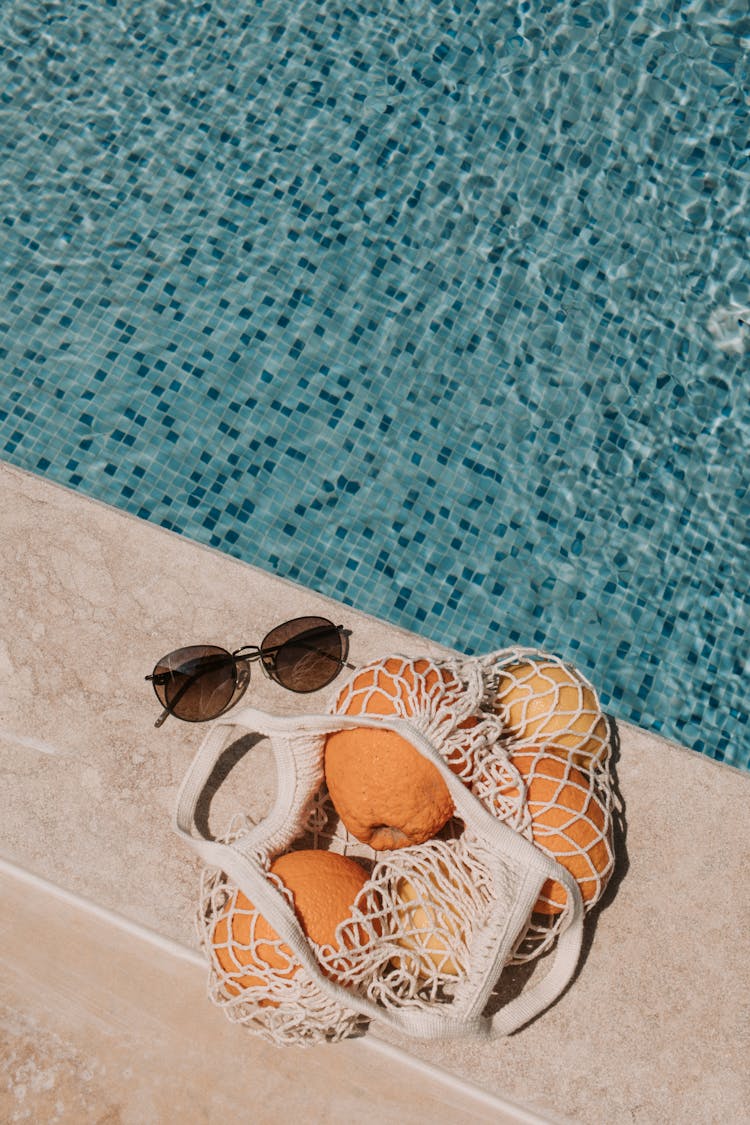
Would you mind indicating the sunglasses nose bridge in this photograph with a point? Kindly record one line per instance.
(251, 654)
(247, 655)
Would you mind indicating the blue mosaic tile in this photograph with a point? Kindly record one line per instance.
(439, 308)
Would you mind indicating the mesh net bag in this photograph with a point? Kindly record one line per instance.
(520, 743)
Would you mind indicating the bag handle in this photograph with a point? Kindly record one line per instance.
(536, 999)
(539, 866)
(297, 775)
(238, 859)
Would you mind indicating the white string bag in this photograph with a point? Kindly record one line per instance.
(436, 922)
(551, 719)
(526, 734)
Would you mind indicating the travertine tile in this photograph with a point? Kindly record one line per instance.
(99, 1024)
(655, 1026)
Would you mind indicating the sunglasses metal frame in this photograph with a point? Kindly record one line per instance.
(241, 658)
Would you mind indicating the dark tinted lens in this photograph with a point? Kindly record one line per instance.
(304, 654)
(196, 683)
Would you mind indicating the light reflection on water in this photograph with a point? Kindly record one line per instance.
(438, 308)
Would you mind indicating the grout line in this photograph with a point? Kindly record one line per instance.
(193, 957)
(493, 1101)
(120, 921)
(182, 539)
(400, 632)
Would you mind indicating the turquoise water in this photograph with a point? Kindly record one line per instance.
(442, 309)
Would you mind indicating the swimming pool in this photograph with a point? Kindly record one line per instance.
(439, 308)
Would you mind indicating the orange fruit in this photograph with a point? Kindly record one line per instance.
(325, 887)
(568, 822)
(550, 703)
(386, 793)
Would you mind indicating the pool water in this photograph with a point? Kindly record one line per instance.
(442, 309)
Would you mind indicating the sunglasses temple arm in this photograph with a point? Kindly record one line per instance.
(181, 691)
(259, 653)
(163, 717)
(318, 652)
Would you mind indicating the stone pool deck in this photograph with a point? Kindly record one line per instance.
(104, 1016)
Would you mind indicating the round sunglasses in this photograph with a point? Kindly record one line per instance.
(201, 682)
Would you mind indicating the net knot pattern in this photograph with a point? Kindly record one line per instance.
(436, 923)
